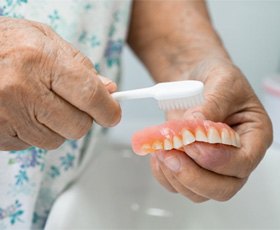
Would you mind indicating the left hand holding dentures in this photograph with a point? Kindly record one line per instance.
(202, 159)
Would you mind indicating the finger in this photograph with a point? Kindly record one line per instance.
(170, 179)
(222, 82)
(218, 158)
(83, 89)
(8, 137)
(200, 181)
(78, 56)
(179, 187)
(69, 49)
(63, 45)
(231, 161)
(30, 131)
(9, 143)
(109, 84)
(61, 117)
(76, 81)
(159, 175)
(83, 59)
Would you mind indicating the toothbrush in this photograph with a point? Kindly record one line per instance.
(177, 95)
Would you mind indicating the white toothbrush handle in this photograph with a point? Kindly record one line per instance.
(133, 94)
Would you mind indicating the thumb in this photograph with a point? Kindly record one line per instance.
(213, 108)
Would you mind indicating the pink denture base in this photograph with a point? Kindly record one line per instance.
(175, 134)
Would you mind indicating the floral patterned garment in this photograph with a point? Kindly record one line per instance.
(30, 180)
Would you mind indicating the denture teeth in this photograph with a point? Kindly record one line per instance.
(167, 144)
(200, 136)
(157, 145)
(226, 137)
(213, 136)
(177, 142)
(146, 148)
(188, 137)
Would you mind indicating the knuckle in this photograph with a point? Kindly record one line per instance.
(90, 91)
(26, 57)
(47, 28)
(47, 97)
(249, 163)
(44, 28)
(29, 49)
(81, 58)
(43, 103)
(217, 107)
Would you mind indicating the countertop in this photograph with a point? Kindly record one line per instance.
(118, 191)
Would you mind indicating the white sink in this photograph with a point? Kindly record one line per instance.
(118, 192)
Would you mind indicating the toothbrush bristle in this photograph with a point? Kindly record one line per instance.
(181, 103)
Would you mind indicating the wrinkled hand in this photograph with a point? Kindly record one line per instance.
(49, 91)
(204, 171)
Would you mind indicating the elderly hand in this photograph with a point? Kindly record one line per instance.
(49, 91)
(206, 171)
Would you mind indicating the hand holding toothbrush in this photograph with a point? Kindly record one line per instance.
(49, 91)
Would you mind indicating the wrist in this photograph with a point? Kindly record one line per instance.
(178, 64)
(173, 58)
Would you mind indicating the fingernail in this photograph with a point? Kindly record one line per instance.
(105, 81)
(173, 163)
(109, 84)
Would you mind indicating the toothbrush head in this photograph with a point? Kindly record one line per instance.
(181, 103)
(179, 95)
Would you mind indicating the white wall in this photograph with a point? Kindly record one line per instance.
(251, 33)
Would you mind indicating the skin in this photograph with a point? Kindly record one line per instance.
(181, 43)
(49, 91)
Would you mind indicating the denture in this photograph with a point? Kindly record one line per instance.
(176, 134)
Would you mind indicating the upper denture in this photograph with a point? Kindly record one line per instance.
(175, 134)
